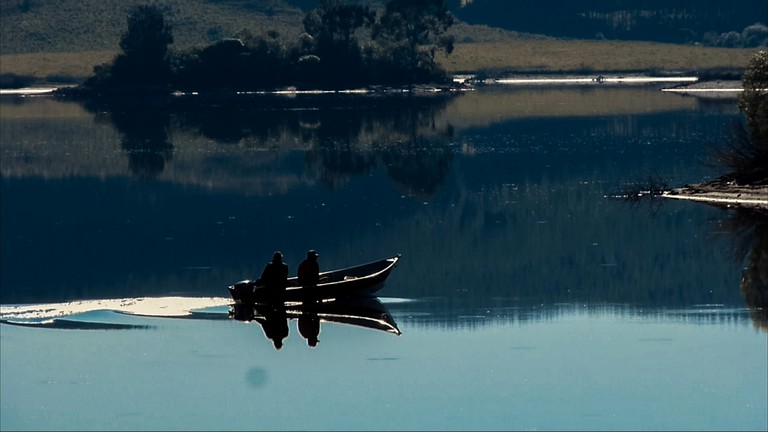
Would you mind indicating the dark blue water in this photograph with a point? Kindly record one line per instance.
(502, 210)
(529, 295)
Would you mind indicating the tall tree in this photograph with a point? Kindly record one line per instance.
(145, 47)
(413, 30)
(753, 102)
(337, 20)
(333, 26)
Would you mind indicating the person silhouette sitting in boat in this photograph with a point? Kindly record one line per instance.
(309, 270)
(275, 275)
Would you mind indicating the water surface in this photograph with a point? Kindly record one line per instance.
(528, 295)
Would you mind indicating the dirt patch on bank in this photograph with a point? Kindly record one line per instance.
(724, 192)
(711, 89)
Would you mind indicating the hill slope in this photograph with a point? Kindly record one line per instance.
(671, 21)
(96, 25)
(61, 40)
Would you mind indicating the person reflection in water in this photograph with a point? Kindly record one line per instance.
(275, 324)
(275, 276)
(309, 270)
(309, 328)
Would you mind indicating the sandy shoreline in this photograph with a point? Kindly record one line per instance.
(720, 89)
(724, 194)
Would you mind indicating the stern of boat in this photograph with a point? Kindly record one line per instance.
(242, 291)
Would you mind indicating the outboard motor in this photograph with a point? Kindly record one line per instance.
(242, 291)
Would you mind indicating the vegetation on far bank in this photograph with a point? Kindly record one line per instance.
(63, 42)
(343, 46)
(525, 55)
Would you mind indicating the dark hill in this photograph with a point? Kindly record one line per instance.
(28, 26)
(674, 21)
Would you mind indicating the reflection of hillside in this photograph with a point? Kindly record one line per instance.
(234, 144)
(237, 143)
(431, 160)
(496, 105)
(41, 137)
(144, 140)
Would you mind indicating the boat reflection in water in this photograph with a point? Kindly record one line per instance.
(360, 311)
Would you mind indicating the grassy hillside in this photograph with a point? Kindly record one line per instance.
(553, 55)
(96, 25)
(494, 58)
(61, 40)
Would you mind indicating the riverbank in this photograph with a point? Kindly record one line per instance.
(495, 59)
(724, 192)
(709, 89)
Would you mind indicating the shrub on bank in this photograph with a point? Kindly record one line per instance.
(746, 156)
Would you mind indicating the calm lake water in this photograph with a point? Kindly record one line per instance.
(528, 295)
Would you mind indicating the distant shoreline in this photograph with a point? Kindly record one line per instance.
(683, 84)
(492, 59)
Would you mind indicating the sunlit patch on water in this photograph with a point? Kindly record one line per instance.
(600, 79)
(145, 306)
(28, 91)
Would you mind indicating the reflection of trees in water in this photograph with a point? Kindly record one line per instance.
(334, 162)
(750, 228)
(147, 147)
(144, 127)
(403, 138)
(343, 135)
(419, 166)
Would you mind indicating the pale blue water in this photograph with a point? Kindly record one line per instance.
(527, 295)
(601, 369)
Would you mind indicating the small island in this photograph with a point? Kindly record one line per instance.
(343, 46)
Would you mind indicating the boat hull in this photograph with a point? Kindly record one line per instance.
(365, 279)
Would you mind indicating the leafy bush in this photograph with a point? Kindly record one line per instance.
(747, 154)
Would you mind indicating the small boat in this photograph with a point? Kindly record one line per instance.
(364, 279)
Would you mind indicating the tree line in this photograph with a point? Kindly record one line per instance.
(343, 46)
